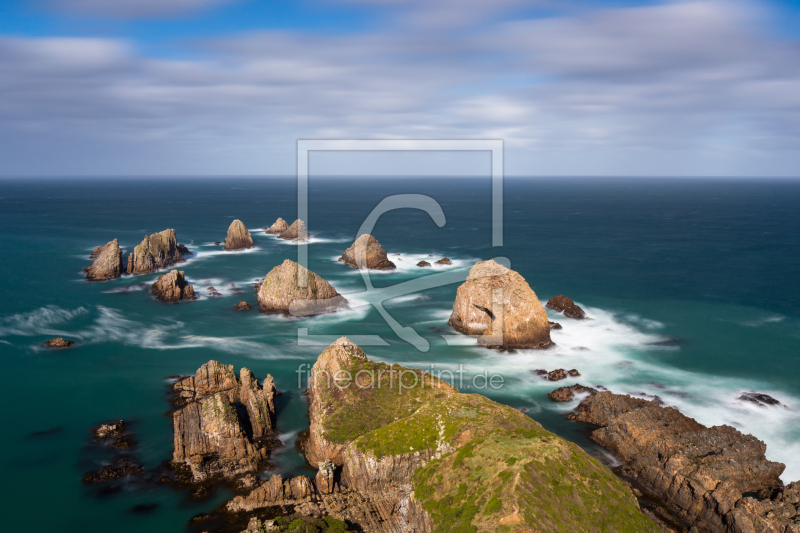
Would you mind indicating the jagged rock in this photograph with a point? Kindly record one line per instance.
(567, 306)
(281, 292)
(565, 394)
(115, 433)
(325, 477)
(172, 287)
(367, 252)
(699, 474)
(759, 398)
(155, 252)
(297, 231)
(59, 342)
(278, 227)
(574, 372)
(444, 261)
(554, 325)
(107, 262)
(222, 429)
(242, 306)
(557, 375)
(423, 264)
(184, 251)
(497, 305)
(119, 468)
(238, 237)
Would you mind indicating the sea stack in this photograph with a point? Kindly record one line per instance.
(498, 306)
(222, 429)
(155, 252)
(291, 289)
(172, 287)
(107, 262)
(278, 227)
(565, 305)
(367, 252)
(238, 237)
(297, 231)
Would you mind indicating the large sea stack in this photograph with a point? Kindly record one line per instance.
(496, 300)
(172, 287)
(107, 262)
(297, 231)
(225, 425)
(400, 451)
(238, 237)
(709, 480)
(155, 252)
(278, 227)
(367, 252)
(290, 288)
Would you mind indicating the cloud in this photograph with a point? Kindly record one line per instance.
(134, 9)
(667, 89)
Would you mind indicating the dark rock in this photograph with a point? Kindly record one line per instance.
(242, 306)
(567, 306)
(239, 237)
(367, 252)
(554, 325)
(115, 433)
(172, 287)
(574, 372)
(46, 433)
(557, 375)
(184, 250)
(144, 508)
(122, 467)
(759, 398)
(107, 262)
(423, 264)
(58, 342)
(217, 243)
(565, 394)
(444, 261)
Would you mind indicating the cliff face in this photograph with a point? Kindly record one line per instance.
(280, 292)
(107, 262)
(402, 451)
(155, 252)
(367, 252)
(278, 227)
(297, 231)
(496, 299)
(238, 237)
(220, 431)
(172, 287)
(698, 474)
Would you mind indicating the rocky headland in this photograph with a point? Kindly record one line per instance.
(278, 227)
(239, 237)
(107, 262)
(498, 306)
(225, 426)
(367, 252)
(296, 232)
(155, 252)
(565, 305)
(291, 289)
(704, 480)
(172, 287)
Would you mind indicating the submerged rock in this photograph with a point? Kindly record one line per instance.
(59, 342)
(567, 306)
(107, 262)
(554, 325)
(119, 468)
(290, 288)
(226, 424)
(278, 227)
(367, 252)
(155, 252)
(497, 305)
(242, 306)
(759, 398)
(115, 433)
(238, 237)
(172, 287)
(297, 231)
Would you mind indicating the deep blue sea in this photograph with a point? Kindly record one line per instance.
(692, 287)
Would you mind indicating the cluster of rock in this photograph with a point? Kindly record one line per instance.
(292, 289)
(226, 425)
(707, 480)
(239, 237)
(296, 232)
(557, 375)
(172, 287)
(367, 252)
(278, 227)
(565, 305)
(498, 306)
(566, 394)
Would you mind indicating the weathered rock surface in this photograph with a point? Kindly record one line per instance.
(59, 342)
(497, 305)
(278, 227)
(155, 252)
(367, 252)
(423, 264)
(702, 476)
(297, 231)
(107, 262)
(172, 287)
(759, 398)
(238, 237)
(292, 289)
(183, 250)
(444, 261)
(114, 433)
(565, 394)
(554, 325)
(567, 306)
(242, 306)
(119, 468)
(224, 429)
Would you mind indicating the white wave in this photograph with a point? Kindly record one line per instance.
(5, 342)
(39, 322)
(200, 255)
(762, 321)
(312, 240)
(407, 264)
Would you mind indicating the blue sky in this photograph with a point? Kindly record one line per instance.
(188, 87)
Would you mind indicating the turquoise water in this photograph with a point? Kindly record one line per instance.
(692, 287)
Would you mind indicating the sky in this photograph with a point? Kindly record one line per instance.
(572, 87)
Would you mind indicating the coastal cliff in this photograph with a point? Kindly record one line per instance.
(282, 291)
(498, 306)
(155, 252)
(367, 252)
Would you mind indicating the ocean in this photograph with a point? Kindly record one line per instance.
(691, 286)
